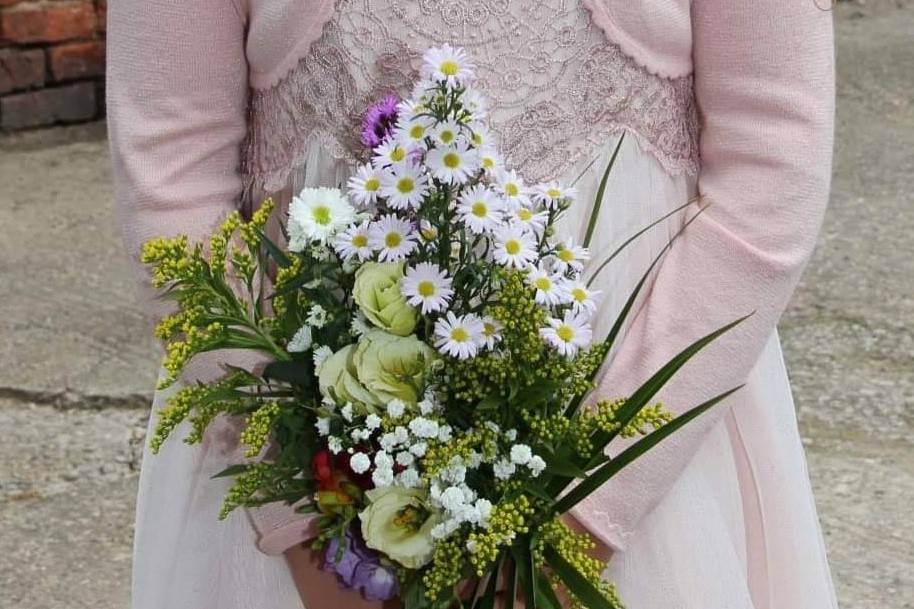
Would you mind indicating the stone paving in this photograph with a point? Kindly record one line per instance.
(77, 363)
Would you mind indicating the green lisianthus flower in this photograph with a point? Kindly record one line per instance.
(377, 292)
(392, 367)
(398, 522)
(337, 379)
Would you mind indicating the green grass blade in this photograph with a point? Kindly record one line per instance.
(598, 201)
(576, 583)
(604, 473)
(523, 558)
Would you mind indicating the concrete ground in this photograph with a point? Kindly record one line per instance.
(77, 363)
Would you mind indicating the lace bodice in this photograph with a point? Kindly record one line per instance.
(557, 88)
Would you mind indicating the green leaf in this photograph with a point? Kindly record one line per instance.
(561, 466)
(614, 466)
(546, 594)
(274, 251)
(523, 558)
(293, 372)
(576, 583)
(598, 200)
(232, 470)
(535, 394)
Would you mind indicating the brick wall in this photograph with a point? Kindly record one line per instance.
(52, 62)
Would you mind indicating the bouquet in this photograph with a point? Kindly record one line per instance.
(428, 350)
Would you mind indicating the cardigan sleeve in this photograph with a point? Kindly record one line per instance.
(177, 87)
(764, 83)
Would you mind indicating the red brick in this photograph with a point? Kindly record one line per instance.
(21, 69)
(69, 104)
(27, 23)
(77, 60)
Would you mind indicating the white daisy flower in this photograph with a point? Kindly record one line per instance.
(390, 152)
(353, 242)
(567, 335)
(512, 188)
(530, 218)
(404, 185)
(411, 132)
(514, 246)
(315, 215)
(427, 286)
(480, 136)
(475, 103)
(480, 209)
(317, 316)
(548, 286)
(428, 231)
(364, 186)
(421, 93)
(453, 164)
(392, 237)
(458, 336)
(581, 298)
(320, 356)
(552, 194)
(448, 64)
(570, 256)
(491, 333)
(359, 325)
(490, 161)
(301, 341)
(447, 133)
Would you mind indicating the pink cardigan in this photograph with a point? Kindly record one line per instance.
(178, 79)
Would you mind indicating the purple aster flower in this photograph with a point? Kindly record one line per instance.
(379, 121)
(377, 582)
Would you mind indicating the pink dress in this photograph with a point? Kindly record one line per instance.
(213, 105)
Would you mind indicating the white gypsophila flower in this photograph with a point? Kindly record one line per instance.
(315, 215)
(301, 341)
(452, 499)
(536, 465)
(570, 256)
(458, 336)
(472, 546)
(389, 441)
(490, 161)
(382, 460)
(402, 435)
(346, 411)
(411, 131)
(393, 238)
(514, 246)
(475, 460)
(491, 332)
(551, 194)
(453, 164)
(395, 408)
(444, 433)
(335, 445)
(405, 458)
(404, 185)
(512, 189)
(446, 133)
(372, 421)
(521, 454)
(359, 326)
(317, 316)
(582, 299)
(547, 286)
(323, 426)
(568, 335)
(382, 478)
(364, 186)
(389, 152)
(503, 469)
(409, 478)
(427, 407)
(427, 286)
(444, 529)
(359, 462)
(484, 508)
(447, 64)
(353, 242)
(418, 449)
(530, 218)
(511, 435)
(359, 435)
(424, 428)
(480, 209)
(321, 354)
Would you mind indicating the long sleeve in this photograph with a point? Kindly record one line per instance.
(764, 82)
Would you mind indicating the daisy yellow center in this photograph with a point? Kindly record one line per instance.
(579, 295)
(565, 332)
(488, 329)
(447, 136)
(488, 162)
(372, 184)
(449, 67)
(321, 215)
(417, 132)
(397, 154)
(460, 335)
(426, 288)
(511, 189)
(512, 246)
(543, 283)
(405, 185)
(566, 255)
(524, 214)
(554, 193)
(477, 139)
(451, 160)
(393, 239)
(480, 209)
(359, 241)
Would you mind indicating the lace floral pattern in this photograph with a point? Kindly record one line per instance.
(557, 87)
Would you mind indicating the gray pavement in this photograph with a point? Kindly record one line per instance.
(77, 363)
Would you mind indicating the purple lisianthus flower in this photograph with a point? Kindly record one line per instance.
(379, 121)
(377, 582)
(344, 562)
(357, 567)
